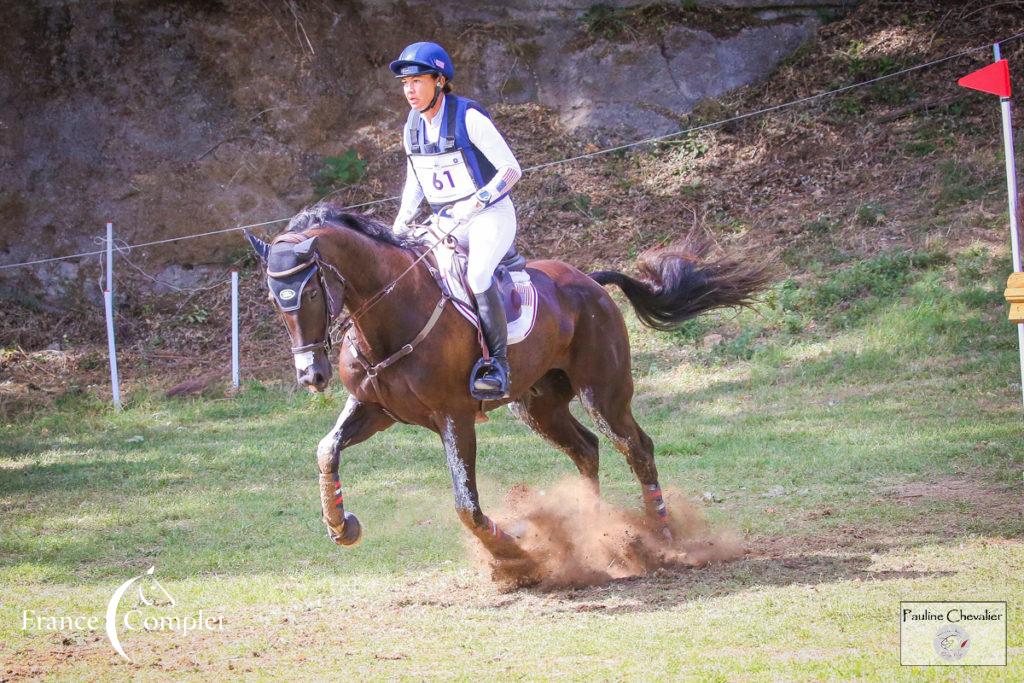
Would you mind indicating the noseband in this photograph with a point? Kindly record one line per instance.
(332, 308)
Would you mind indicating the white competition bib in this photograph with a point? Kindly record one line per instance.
(445, 178)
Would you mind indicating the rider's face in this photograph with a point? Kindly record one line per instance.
(419, 90)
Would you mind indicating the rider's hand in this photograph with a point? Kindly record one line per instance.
(467, 208)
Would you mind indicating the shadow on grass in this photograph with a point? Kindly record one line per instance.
(668, 587)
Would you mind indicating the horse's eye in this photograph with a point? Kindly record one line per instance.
(312, 294)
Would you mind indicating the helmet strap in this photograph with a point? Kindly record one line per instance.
(437, 93)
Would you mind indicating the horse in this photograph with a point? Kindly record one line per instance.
(405, 354)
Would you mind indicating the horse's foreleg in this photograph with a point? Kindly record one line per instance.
(357, 422)
(459, 438)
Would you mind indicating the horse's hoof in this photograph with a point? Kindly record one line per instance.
(350, 534)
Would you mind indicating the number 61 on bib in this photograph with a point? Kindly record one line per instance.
(445, 178)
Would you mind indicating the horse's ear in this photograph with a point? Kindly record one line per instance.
(261, 248)
(305, 248)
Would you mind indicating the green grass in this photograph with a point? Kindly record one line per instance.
(888, 372)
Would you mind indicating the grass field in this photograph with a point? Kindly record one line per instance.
(862, 435)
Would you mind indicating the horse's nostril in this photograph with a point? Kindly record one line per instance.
(318, 379)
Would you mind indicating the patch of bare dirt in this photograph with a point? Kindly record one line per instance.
(945, 506)
(945, 488)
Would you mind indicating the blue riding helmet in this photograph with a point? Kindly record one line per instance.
(423, 58)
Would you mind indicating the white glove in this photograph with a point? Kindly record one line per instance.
(465, 209)
(400, 227)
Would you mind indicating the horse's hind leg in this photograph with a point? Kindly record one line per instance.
(545, 409)
(608, 404)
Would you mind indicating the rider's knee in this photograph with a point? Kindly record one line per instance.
(479, 279)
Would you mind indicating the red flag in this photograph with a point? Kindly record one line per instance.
(994, 79)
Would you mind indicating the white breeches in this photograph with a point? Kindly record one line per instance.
(487, 236)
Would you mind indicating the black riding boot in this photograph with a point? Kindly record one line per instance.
(492, 319)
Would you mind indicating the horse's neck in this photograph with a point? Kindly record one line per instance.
(384, 320)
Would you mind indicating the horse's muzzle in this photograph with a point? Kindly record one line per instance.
(314, 373)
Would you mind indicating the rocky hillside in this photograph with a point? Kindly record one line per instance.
(171, 118)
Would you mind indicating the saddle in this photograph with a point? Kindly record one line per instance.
(517, 291)
(511, 262)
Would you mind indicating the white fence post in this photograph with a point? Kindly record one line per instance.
(108, 305)
(234, 329)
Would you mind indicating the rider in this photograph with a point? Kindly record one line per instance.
(457, 156)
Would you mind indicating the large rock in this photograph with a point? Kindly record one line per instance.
(644, 89)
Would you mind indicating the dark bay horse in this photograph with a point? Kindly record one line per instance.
(406, 356)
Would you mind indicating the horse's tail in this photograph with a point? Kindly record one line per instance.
(677, 282)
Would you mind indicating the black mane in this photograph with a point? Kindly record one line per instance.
(324, 214)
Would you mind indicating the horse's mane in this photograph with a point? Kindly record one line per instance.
(323, 214)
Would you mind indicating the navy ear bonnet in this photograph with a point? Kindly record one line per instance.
(289, 268)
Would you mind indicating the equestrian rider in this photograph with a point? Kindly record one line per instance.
(457, 156)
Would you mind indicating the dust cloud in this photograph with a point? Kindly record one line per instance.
(574, 538)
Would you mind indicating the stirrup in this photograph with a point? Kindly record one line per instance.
(482, 367)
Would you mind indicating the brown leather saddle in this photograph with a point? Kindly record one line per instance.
(510, 297)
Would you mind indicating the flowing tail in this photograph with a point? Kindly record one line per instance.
(677, 282)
